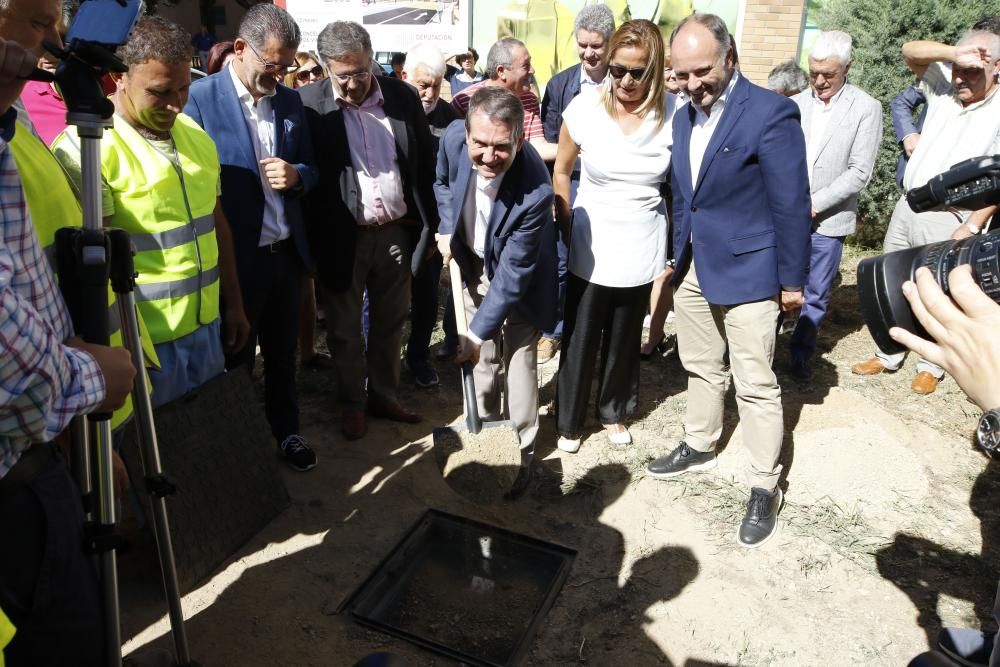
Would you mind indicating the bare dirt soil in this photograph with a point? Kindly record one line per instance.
(889, 530)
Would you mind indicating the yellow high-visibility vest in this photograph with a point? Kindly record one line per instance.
(169, 214)
(52, 205)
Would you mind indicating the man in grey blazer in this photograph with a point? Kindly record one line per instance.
(843, 128)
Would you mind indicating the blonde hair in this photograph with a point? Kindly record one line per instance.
(645, 36)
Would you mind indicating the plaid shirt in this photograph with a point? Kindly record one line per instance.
(43, 383)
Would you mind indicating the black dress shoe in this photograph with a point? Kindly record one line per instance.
(683, 459)
(761, 520)
(800, 369)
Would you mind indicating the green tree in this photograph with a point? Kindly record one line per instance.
(880, 28)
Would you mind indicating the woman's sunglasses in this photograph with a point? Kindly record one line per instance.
(619, 72)
(306, 74)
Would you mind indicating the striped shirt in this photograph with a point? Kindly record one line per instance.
(43, 383)
(532, 114)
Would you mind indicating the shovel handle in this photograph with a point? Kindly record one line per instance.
(472, 420)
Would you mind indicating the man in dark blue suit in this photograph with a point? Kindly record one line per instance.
(260, 130)
(592, 27)
(741, 236)
(495, 198)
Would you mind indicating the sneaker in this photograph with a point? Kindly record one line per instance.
(967, 647)
(424, 374)
(297, 453)
(683, 459)
(761, 520)
(547, 348)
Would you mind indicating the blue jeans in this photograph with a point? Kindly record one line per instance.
(187, 363)
(824, 263)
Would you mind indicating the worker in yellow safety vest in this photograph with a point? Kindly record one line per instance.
(160, 182)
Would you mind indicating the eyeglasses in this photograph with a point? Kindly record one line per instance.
(619, 72)
(273, 68)
(306, 74)
(343, 79)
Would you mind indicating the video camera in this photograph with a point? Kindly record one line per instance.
(972, 184)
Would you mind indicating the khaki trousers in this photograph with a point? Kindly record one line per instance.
(382, 265)
(516, 347)
(704, 333)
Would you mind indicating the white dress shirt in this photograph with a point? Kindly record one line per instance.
(821, 114)
(704, 127)
(475, 226)
(259, 118)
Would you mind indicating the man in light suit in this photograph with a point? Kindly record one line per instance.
(843, 129)
(495, 197)
(741, 238)
(260, 131)
(371, 220)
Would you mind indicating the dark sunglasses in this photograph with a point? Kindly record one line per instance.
(304, 74)
(619, 72)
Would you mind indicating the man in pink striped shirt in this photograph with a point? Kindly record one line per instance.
(509, 65)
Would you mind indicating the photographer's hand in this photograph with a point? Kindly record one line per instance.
(965, 333)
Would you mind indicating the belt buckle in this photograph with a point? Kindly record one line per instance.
(275, 247)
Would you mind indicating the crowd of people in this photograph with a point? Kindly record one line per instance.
(651, 178)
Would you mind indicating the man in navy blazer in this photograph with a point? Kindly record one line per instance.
(260, 130)
(741, 237)
(495, 198)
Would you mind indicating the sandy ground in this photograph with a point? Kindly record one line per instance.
(889, 531)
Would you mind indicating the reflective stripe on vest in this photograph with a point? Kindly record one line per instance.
(7, 631)
(169, 214)
(51, 205)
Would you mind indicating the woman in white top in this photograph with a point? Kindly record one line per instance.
(618, 229)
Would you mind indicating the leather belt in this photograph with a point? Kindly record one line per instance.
(277, 247)
(33, 461)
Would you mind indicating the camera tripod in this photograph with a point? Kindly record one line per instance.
(88, 258)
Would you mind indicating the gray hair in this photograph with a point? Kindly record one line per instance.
(156, 38)
(595, 18)
(501, 106)
(267, 20)
(991, 37)
(501, 55)
(427, 56)
(787, 78)
(713, 24)
(340, 38)
(832, 44)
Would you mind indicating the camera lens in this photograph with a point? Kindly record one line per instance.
(880, 281)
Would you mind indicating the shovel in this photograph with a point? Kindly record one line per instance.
(479, 460)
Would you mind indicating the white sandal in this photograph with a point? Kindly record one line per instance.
(620, 438)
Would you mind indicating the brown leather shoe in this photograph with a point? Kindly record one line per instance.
(924, 383)
(871, 367)
(393, 412)
(353, 423)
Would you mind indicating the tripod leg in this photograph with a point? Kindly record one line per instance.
(156, 485)
(103, 481)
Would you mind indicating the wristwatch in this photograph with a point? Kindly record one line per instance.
(988, 432)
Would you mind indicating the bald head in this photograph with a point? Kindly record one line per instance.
(702, 58)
